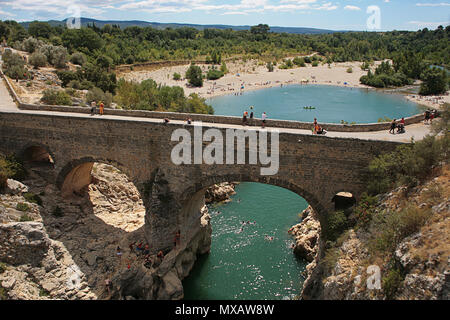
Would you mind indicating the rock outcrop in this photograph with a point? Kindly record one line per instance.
(220, 192)
(348, 271)
(79, 248)
(306, 234)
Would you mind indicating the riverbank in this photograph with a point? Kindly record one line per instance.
(248, 76)
(252, 76)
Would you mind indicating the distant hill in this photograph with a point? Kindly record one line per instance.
(157, 25)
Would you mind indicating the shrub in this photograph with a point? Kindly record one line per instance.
(315, 63)
(194, 76)
(337, 223)
(287, 64)
(97, 94)
(269, 66)
(38, 60)
(224, 68)
(392, 227)
(21, 206)
(25, 217)
(56, 55)
(3, 293)
(10, 168)
(56, 97)
(350, 70)
(67, 76)
(33, 198)
(214, 74)
(391, 283)
(365, 210)
(31, 44)
(408, 164)
(298, 61)
(13, 65)
(78, 58)
(43, 293)
(176, 76)
(3, 267)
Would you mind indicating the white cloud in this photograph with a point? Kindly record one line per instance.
(441, 4)
(353, 8)
(422, 24)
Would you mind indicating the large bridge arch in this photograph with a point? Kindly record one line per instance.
(75, 174)
(36, 152)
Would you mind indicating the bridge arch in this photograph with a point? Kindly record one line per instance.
(195, 192)
(75, 175)
(37, 153)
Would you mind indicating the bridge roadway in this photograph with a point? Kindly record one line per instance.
(416, 131)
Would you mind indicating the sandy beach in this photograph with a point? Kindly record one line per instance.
(247, 76)
(243, 77)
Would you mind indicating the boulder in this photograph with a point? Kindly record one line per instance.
(15, 187)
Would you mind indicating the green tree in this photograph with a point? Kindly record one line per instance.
(260, 29)
(434, 82)
(38, 60)
(40, 29)
(194, 76)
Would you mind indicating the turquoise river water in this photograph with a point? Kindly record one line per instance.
(244, 264)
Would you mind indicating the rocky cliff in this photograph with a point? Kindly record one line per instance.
(220, 192)
(358, 265)
(79, 248)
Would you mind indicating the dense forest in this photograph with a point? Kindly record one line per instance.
(137, 44)
(98, 50)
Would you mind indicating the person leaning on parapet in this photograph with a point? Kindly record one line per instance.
(93, 107)
(244, 118)
(263, 118)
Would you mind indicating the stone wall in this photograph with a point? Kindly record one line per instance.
(226, 119)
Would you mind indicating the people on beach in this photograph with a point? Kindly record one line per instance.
(166, 120)
(102, 106)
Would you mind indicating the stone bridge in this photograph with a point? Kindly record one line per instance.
(140, 145)
(314, 167)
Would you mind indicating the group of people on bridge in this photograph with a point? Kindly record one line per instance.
(94, 108)
(246, 118)
(400, 126)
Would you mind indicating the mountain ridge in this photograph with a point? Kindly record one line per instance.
(159, 25)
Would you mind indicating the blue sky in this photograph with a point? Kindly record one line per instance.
(327, 14)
